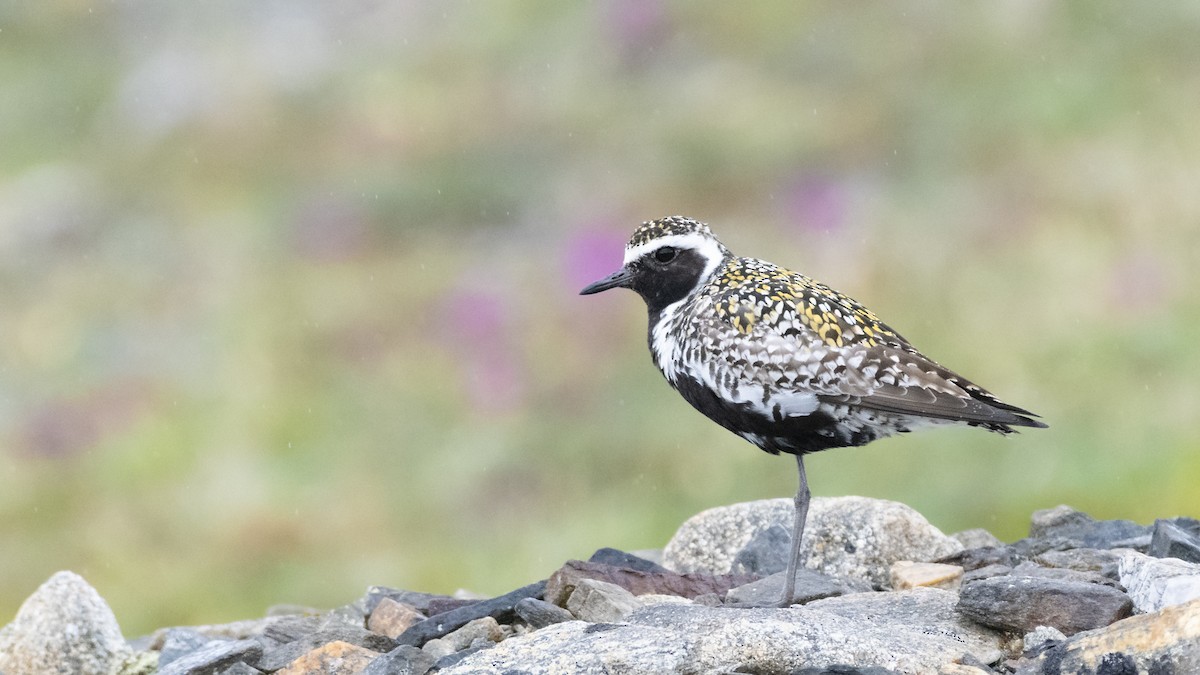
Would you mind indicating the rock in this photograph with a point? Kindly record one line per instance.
(213, 657)
(654, 555)
(237, 630)
(416, 600)
(1100, 561)
(766, 553)
(63, 627)
(1065, 522)
(977, 538)
(1155, 583)
(485, 628)
(888, 630)
(1030, 569)
(975, 558)
(852, 537)
(1170, 539)
(562, 583)
(239, 668)
(403, 660)
(929, 611)
(335, 627)
(986, 573)
(498, 608)
(332, 658)
(539, 613)
(1040, 639)
(846, 670)
(1021, 604)
(906, 574)
(579, 647)
(437, 648)
(391, 618)
(180, 642)
(443, 605)
(810, 585)
(601, 602)
(1164, 642)
(141, 662)
(615, 558)
(694, 638)
(710, 540)
(276, 655)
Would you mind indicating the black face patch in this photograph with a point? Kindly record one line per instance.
(663, 283)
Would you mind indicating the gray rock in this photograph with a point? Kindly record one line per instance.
(977, 538)
(929, 611)
(562, 582)
(847, 670)
(986, 573)
(1021, 604)
(180, 642)
(65, 628)
(1164, 642)
(810, 585)
(437, 648)
(485, 628)
(1100, 561)
(452, 659)
(539, 613)
(850, 630)
(240, 668)
(214, 657)
(694, 638)
(766, 553)
(1041, 638)
(499, 608)
(237, 630)
(1030, 569)
(654, 555)
(984, 556)
(601, 602)
(1155, 583)
(611, 556)
(1170, 539)
(1064, 522)
(417, 600)
(403, 660)
(276, 655)
(710, 540)
(580, 647)
(852, 537)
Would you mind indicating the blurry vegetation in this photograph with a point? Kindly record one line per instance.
(289, 289)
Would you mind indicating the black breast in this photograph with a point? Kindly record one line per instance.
(795, 435)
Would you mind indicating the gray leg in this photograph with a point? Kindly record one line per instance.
(802, 498)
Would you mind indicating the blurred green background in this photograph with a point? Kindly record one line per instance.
(288, 289)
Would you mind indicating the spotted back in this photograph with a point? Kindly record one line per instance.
(747, 291)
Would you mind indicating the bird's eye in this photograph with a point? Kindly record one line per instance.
(666, 254)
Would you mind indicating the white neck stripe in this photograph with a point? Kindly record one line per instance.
(707, 247)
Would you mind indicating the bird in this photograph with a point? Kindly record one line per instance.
(784, 361)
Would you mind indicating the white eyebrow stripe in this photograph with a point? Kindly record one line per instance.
(708, 247)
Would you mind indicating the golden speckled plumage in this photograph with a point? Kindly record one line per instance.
(784, 361)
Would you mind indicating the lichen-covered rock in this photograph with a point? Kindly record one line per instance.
(64, 628)
(694, 638)
(580, 647)
(853, 537)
